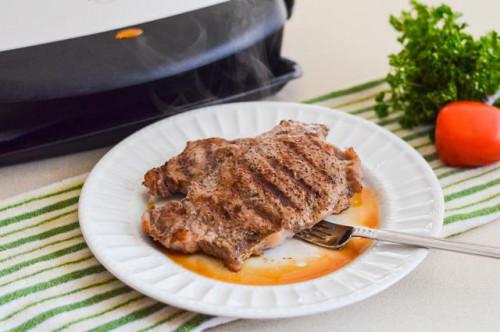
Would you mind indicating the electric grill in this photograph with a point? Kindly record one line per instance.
(85, 73)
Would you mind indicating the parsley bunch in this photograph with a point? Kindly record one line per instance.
(439, 63)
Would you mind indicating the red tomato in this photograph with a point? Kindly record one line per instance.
(468, 134)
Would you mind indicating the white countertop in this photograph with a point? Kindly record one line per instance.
(342, 43)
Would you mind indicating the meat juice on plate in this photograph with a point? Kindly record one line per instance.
(294, 260)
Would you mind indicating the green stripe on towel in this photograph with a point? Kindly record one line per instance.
(59, 296)
(41, 236)
(38, 212)
(40, 318)
(9, 297)
(144, 312)
(43, 196)
(345, 92)
(119, 305)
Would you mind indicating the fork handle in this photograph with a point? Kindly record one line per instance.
(426, 242)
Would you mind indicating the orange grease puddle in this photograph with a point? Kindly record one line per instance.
(364, 211)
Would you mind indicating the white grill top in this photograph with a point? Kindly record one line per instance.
(32, 22)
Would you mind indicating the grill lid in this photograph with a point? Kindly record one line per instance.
(168, 46)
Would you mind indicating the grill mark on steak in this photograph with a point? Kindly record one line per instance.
(278, 177)
(302, 194)
(292, 175)
(293, 146)
(216, 212)
(298, 180)
(230, 208)
(312, 145)
(185, 164)
(240, 210)
(318, 175)
(261, 212)
(271, 188)
(301, 169)
(209, 156)
(253, 197)
(308, 173)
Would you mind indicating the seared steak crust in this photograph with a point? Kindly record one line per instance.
(246, 195)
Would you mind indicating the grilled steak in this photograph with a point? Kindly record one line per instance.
(247, 195)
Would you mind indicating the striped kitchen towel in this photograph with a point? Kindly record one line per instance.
(50, 281)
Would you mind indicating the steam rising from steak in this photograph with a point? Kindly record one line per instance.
(246, 195)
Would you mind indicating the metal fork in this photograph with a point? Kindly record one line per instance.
(333, 236)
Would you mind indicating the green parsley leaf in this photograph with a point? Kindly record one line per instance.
(439, 63)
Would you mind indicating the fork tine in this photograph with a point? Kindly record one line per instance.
(326, 234)
(332, 227)
(328, 225)
(309, 239)
(324, 226)
(319, 237)
(308, 236)
(319, 232)
(316, 241)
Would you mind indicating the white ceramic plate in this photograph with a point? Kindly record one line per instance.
(113, 200)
